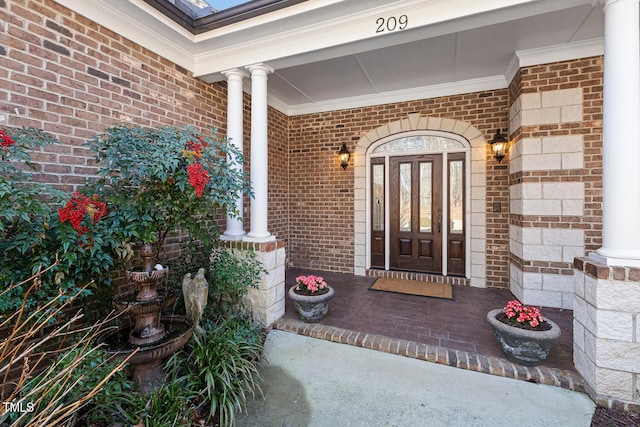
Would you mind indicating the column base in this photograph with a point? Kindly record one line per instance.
(233, 236)
(258, 239)
(611, 258)
(266, 301)
(605, 345)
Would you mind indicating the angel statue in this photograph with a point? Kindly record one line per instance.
(195, 293)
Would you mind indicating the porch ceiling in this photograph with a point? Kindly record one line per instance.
(327, 54)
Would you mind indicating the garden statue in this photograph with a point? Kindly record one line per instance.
(195, 293)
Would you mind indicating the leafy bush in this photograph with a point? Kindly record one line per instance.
(220, 368)
(166, 179)
(32, 234)
(230, 273)
(167, 406)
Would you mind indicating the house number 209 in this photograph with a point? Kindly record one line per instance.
(391, 23)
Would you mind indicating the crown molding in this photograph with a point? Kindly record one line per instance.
(563, 52)
(425, 92)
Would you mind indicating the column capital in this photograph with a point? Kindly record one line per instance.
(235, 72)
(259, 68)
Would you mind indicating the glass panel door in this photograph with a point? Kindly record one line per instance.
(424, 210)
(456, 251)
(456, 215)
(378, 242)
(415, 192)
(404, 207)
(426, 201)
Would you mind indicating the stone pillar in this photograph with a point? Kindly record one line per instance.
(235, 229)
(606, 342)
(542, 253)
(606, 313)
(259, 155)
(621, 135)
(266, 301)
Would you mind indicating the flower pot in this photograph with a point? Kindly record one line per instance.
(522, 346)
(311, 308)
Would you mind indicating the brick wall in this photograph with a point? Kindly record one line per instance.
(278, 130)
(71, 77)
(321, 208)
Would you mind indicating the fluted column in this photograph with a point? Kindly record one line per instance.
(259, 155)
(621, 135)
(235, 228)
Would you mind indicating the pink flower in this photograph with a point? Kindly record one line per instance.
(310, 284)
(523, 314)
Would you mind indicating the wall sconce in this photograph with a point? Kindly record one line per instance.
(344, 155)
(499, 146)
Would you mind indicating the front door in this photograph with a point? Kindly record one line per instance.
(426, 213)
(416, 213)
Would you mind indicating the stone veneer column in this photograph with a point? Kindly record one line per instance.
(259, 155)
(235, 229)
(606, 332)
(266, 301)
(542, 243)
(606, 325)
(621, 135)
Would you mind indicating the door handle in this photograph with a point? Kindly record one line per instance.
(439, 223)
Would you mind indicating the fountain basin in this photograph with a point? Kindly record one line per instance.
(129, 302)
(178, 330)
(146, 363)
(144, 276)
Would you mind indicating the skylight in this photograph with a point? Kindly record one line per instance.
(218, 5)
(202, 15)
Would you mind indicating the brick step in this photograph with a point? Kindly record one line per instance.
(422, 277)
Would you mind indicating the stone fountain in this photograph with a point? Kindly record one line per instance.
(155, 337)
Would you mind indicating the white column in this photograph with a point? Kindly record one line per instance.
(259, 155)
(621, 135)
(235, 229)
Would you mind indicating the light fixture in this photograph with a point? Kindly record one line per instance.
(344, 155)
(499, 146)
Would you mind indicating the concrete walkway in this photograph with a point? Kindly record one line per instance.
(312, 382)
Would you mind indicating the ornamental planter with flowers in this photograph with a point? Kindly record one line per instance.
(310, 297)
(526, 338)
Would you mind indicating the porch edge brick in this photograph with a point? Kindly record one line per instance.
(444, 356)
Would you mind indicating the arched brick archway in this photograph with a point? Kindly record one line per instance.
(477, 186)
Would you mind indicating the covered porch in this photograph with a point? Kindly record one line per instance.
(450, 332)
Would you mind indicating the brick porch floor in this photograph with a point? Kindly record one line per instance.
(450, 332)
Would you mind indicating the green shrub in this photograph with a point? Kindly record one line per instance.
(32, 235)
(168, 406)
(220, 368)
(232, 273)
(166, 180)
(229, 272)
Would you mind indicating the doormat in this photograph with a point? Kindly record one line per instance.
(413, 287)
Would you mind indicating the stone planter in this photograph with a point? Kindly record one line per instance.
(311, 308)
(523, 346)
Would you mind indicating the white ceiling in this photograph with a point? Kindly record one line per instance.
(480, 54)
(326, 54)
